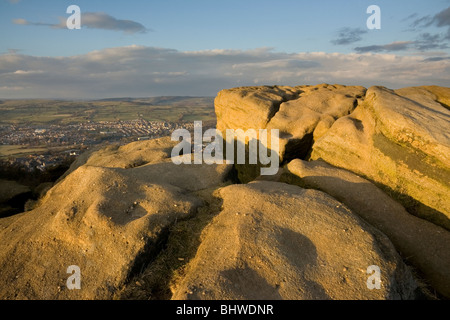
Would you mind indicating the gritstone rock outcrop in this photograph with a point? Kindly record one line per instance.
(107, 220)
(364, 181)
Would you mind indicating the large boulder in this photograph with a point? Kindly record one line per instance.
(250, 107)
(295, 111)
(401, 141)
(278, 241)
(307, 118)
(421, 243)
(107, 220)
(131, 155)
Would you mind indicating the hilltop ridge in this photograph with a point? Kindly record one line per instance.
(363, 182)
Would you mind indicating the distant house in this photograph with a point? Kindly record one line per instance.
(73, 152)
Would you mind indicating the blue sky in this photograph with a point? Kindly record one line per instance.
(204, 46)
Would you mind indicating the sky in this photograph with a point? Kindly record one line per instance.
(198, 47)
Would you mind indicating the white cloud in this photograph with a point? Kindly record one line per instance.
(28, 72)
(148, 71)
(20, 21)
(9, 88)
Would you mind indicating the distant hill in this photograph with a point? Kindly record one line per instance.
(162, 100)
(171, 109)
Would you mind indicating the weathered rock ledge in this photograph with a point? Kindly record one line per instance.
(364, 182)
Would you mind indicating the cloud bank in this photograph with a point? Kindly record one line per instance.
(93, 20)
(394, 46)
(139, 71)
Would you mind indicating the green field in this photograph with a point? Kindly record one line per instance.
(19, 151)
(171, 109)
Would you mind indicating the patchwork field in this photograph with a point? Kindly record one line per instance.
(171, 109)
(14, 150)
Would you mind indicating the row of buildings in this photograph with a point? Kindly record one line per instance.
(68, 141)
(86, 133)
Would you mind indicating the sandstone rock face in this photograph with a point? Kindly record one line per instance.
(278, 241)
(106, 220)
(422, 243)
(296, 112)
(401, 140)
(303, 120)
(128, 156)
(250, 107)
(379, 160)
